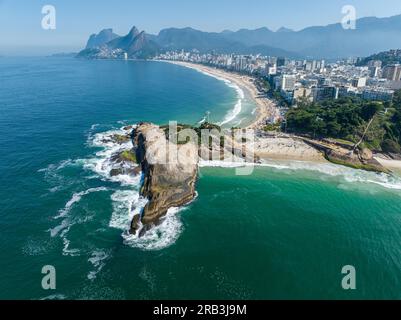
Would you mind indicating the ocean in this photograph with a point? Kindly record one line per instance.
(284, 232)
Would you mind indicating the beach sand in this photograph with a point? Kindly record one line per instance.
(281, 147)
(265, 107)
(267, 148)
(393, 165)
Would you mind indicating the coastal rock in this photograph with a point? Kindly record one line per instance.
(366, 154)
(125, 171)
(169, 177)
(100, 39)
(353, 160)
(125, 163)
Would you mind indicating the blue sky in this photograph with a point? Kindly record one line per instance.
(20, 20)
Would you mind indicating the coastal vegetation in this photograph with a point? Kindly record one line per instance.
(386, 57)
(373, 125)
(197, 129)
(128, 155)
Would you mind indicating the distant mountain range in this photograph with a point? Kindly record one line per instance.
(330, 42)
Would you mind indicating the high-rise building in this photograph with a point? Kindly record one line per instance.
(325, 93)
(288, 82)
(271, 69)
(359, 82)
(282, 62)
(392, 72)
(374, 72)
(378, 95)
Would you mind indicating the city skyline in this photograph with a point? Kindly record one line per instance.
(76, 21)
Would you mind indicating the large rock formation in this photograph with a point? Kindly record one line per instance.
(357, 159)
(107, 45)
(169, 170)
(100, 39)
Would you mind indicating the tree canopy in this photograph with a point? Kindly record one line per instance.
(348, 118)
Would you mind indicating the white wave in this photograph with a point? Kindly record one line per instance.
(349, 175)
(98, 261)
(158, 237)
(76, 197)
(102, 164)
(237, 124)
(220, 164)
(66, 242)
(56, 167)
(126, 204)
(64, 227)
(202, 121)
(232, 114)
(54, 297)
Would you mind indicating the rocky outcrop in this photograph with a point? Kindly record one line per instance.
(107, 45)
(100, 39)
(169, 173)
(361, 159)
(358, 159)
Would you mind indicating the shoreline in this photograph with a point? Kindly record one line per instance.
(265, 108)
(279, 148)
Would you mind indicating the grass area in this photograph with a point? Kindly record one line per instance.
(128, 155)
(346, 142)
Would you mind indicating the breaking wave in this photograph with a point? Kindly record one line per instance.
(232, 114)
(348, 175)
(160, 236)
(98, 261)
(126, 201)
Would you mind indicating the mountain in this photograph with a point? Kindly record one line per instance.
(137, 45)
(190, 39)
(332, 41)
(328, 42)
(126, 41)
(141, 45)
(284, 29)
(97, 40)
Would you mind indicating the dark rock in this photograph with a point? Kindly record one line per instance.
(135, 224)
(166, 185)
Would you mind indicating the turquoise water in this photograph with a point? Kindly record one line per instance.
(285, 231)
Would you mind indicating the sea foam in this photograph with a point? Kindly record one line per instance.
(348, 175)
(232, 114)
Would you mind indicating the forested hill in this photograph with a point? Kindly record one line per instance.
(386, 57)
(348, 119)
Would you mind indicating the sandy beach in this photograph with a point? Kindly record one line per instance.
(393, 165)
(267, 148)
(265, 107)
(280, 146)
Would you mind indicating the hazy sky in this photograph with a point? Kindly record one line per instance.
(20, 20)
